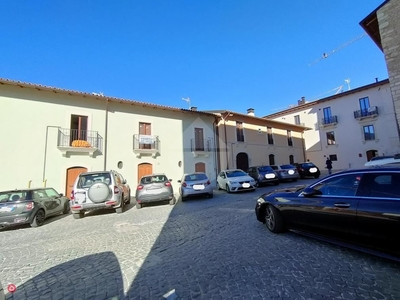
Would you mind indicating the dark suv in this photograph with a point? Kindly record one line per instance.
(102, 189)
(308, 169)
(263, 175)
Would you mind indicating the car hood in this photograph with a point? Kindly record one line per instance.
(240, 178)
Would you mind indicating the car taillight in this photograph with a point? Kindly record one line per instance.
(184, 184)
(140, 187)
(167, 183)
(72, 197)
(208, 182)
(29, 206)
(116, 190)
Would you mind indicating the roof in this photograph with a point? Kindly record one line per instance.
(371, 26)
(330, 98)
(224, 114)
(4, 81)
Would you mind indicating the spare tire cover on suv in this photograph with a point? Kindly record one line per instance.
(98, 192)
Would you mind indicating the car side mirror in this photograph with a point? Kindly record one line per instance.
(170, 179)
(310, 192)
(124, 182)
(179, 181)
(61, 195)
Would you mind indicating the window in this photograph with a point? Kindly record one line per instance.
(271, 159)
(78, 127)
(297, 119)
(269, 135)
(369, 132)
(239, 132)
(291, 159)
(289, 138)
(333, 157)
(330, 138)
(199, 139)
(345, 185)
(145, 140)
(383, 185)
(364, 104)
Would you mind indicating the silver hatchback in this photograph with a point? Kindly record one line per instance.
(195, 184)
(286, 172)
(154, 188)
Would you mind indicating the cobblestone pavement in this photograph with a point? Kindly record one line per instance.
(202, 248)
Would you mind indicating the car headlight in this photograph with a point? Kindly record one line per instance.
(260, 200)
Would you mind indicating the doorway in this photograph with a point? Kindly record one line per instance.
(72, 174)
(144, 169)
(242, 161)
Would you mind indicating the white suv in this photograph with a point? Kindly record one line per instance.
(103, 189)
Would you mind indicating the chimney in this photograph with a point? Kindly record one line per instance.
(250, 111)
(193, 108)
(302, 101)
(376, 79)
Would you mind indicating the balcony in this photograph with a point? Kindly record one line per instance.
(201, 147)
(146, 145)
(330, 121)
(371, 112)
(76, 141)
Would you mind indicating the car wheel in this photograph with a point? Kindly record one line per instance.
(67, 208)
(38, 219)
(274, 220)
(316, 176)
(138, 205)
(120, 210)
(210, 195)
(228, 190)
(79, 215)
(98, 192)
(172, 201)
(276, 183)
(294, 179)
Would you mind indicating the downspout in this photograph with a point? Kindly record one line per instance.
(217, 149)
(105, 136)
(304, 147)
(226, 146)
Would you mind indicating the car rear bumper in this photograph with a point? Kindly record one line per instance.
(12, 220)
(77, 207)
(185, 192)
(155, 198)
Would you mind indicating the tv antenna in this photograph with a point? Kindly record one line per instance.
(348, 83)
(326, 55)
(188, 101)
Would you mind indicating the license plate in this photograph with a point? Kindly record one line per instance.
(7, 209)
(153, 191)
(291, 172)
(198, 187)
(313, 170)
(246, 185)
(269, 176)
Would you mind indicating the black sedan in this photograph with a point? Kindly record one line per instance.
(31, 206)
(307, 169)
(361, 206)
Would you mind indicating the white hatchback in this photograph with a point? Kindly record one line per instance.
(235, 180)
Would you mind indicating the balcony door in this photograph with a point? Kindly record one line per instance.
(144, 129)
(79, 126)
(199, 139)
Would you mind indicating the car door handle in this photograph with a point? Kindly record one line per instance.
(342, 205)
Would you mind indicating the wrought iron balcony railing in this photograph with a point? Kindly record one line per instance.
(364, 113)
(79, 138)
(329, 121)
(200, 145)
(145, 143)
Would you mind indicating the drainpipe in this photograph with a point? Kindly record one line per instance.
(304, 147)
(105, 137)
(217, 151)
(226, 147)
(45, 151)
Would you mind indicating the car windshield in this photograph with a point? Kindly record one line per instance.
(195, 177)
(274, 167)
(265, 169)
(11, 196)
(153, 179)
(308, 165)
(288, 167)
(87, 180)
(235, 173)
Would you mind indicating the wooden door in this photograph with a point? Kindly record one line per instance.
(200, 167)
(144, 169)
(72, 174)
(199, 139)
(144, 129)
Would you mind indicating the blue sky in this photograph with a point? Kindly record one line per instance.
(223, 54)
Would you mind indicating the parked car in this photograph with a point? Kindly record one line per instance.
(308, 169)
(263, 175)
(235, 180)
(154, 188)
(195, 184)
(31, 206)
(286, 172)
(383, 160)
(362, 205)
(96, 190)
